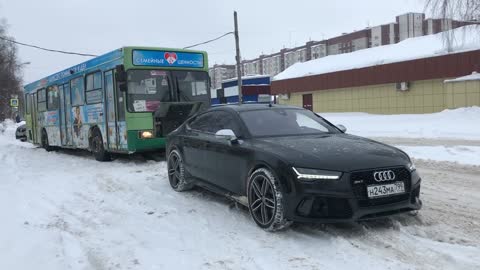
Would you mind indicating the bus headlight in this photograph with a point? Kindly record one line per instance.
(145, 134)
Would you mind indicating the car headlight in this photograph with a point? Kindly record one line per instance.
(145, 134)
(313, 174)
(411, 166)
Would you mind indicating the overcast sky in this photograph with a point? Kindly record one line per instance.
(100, 26)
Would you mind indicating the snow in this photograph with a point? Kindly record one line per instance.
(462, 123)
(464, 39)
(450, 135)
(463, 154)
(475, 76)
(64, 210)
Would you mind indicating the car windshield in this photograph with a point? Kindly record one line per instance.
(284, 122)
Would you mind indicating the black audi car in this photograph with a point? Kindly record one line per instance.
(288, 164)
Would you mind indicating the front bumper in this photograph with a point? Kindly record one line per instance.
(332, 202)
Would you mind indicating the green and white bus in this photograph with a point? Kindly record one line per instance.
(125, 101)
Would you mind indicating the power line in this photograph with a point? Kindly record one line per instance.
(208, 41)
(45, 49)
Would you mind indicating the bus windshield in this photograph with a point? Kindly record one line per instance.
(191, 85)
(148, 88)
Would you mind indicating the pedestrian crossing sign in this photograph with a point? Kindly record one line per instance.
(14, 102)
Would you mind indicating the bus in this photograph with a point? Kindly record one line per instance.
(125, 101)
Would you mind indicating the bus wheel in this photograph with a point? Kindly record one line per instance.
(44, 141)
(96, 146)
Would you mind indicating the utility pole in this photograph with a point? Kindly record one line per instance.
(239, 70)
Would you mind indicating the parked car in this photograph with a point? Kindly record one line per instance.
(21, 133)
(288, 164)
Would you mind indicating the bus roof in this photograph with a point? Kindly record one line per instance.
(111, 57)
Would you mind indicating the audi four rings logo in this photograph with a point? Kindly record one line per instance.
(384, 176)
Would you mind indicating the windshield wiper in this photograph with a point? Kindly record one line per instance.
(179, 92)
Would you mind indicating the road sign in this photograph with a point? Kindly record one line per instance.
(14, 102)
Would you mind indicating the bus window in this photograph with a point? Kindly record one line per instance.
(93, 91)
(76, 86)
(52, 98)
(146, 89)
(42, 100)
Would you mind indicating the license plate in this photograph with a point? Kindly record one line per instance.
(385, 190)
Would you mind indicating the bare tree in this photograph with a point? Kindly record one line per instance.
(10, 81)
(465, 10)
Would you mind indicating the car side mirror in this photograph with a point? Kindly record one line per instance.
(227, 134)
(342, 128)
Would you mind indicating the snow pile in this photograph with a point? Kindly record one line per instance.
(8, 127)
(462, 123)
(469, 155)
(464, 39)
(475, 76)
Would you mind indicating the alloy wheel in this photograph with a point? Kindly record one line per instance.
(262, 200)
(174, 170)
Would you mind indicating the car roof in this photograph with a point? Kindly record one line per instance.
(252, 107)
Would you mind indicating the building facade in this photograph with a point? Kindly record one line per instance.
(415, 86)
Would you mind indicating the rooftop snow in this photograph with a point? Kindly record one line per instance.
(465, 38)
(475, 76)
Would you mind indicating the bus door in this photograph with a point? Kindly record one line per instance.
(62, 115)
(66, 115)
(34, 117)
(111, 112)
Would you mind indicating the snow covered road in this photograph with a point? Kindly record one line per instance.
(64, 210)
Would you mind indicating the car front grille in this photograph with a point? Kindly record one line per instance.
(361, 179)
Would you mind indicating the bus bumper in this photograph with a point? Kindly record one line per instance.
(135, 144)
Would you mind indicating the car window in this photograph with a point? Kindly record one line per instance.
(225, 120)
(203, 122)
(212, 122)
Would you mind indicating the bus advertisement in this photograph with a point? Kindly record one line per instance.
(125, 101)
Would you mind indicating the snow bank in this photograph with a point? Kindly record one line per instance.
(469, 155)
(463, 123)
(465, 39)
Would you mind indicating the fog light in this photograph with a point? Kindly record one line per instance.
(147, 134)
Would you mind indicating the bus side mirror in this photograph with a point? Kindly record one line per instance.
(121, 74)
(122, 87)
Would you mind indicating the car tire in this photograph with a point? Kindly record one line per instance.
(265, 201)
(97, 148)
(44, 141)
(176, 172)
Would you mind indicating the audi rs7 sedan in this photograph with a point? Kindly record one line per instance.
(288, 164)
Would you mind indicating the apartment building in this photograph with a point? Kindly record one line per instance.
(219, 73)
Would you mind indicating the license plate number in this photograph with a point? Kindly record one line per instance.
(385, 190)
